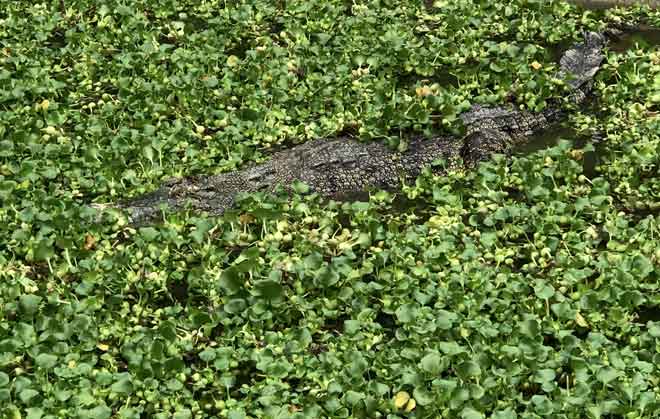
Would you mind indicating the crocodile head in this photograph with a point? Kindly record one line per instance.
(580, 63)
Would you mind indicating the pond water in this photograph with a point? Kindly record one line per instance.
(551, 137)
(545, 139)
(608, 4)
(645, 37)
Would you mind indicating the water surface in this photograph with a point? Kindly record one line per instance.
(645, 37)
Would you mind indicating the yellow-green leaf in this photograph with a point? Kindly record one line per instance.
(401, 399)
(410, 405)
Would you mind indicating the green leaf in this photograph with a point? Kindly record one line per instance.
(157, 351)
(183, 414)
(468, 369)
(433, 363)
(43, 250)
(476, 391)
(211, 82)
(26, 333)
(406, 313)
(496, 68)
(149, 233)
(543, 290)
(230, 281)
(123, 385)
(26, 395)
(563, 310)
(174, 364)
(641, 266)
(236, 414)
(654, 329)
(235, 306)
(99, 412)
(542, 405)
(167, 330)
(544, 375)
(207, 355)
(507, 413)
(129, 413)
(313, 261)
(512, 50)
(46, 361)
(29, 304)
(4, 379)
(606, 375)
(470, 413)
(34, 413)
(451, 348)
(445, 319)
(423, 397)
(268, 289)
(5, 395)
(353, 397)
(351, 327)
(359, 206)
(358, 364)
(529, 327)
(327, 277)
(174, 385)
(201, 228)
(300, 187)
(6, 188)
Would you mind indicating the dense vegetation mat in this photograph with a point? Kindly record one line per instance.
(339, 166)
(528, 288)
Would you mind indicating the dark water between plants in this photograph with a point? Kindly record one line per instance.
(547, 138)
(646, 37)
(551, 137)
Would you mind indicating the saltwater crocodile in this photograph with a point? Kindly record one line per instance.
(340, 166)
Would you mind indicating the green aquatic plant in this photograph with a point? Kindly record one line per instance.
(527, 288)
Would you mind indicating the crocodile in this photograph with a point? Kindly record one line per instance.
(341, 166)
